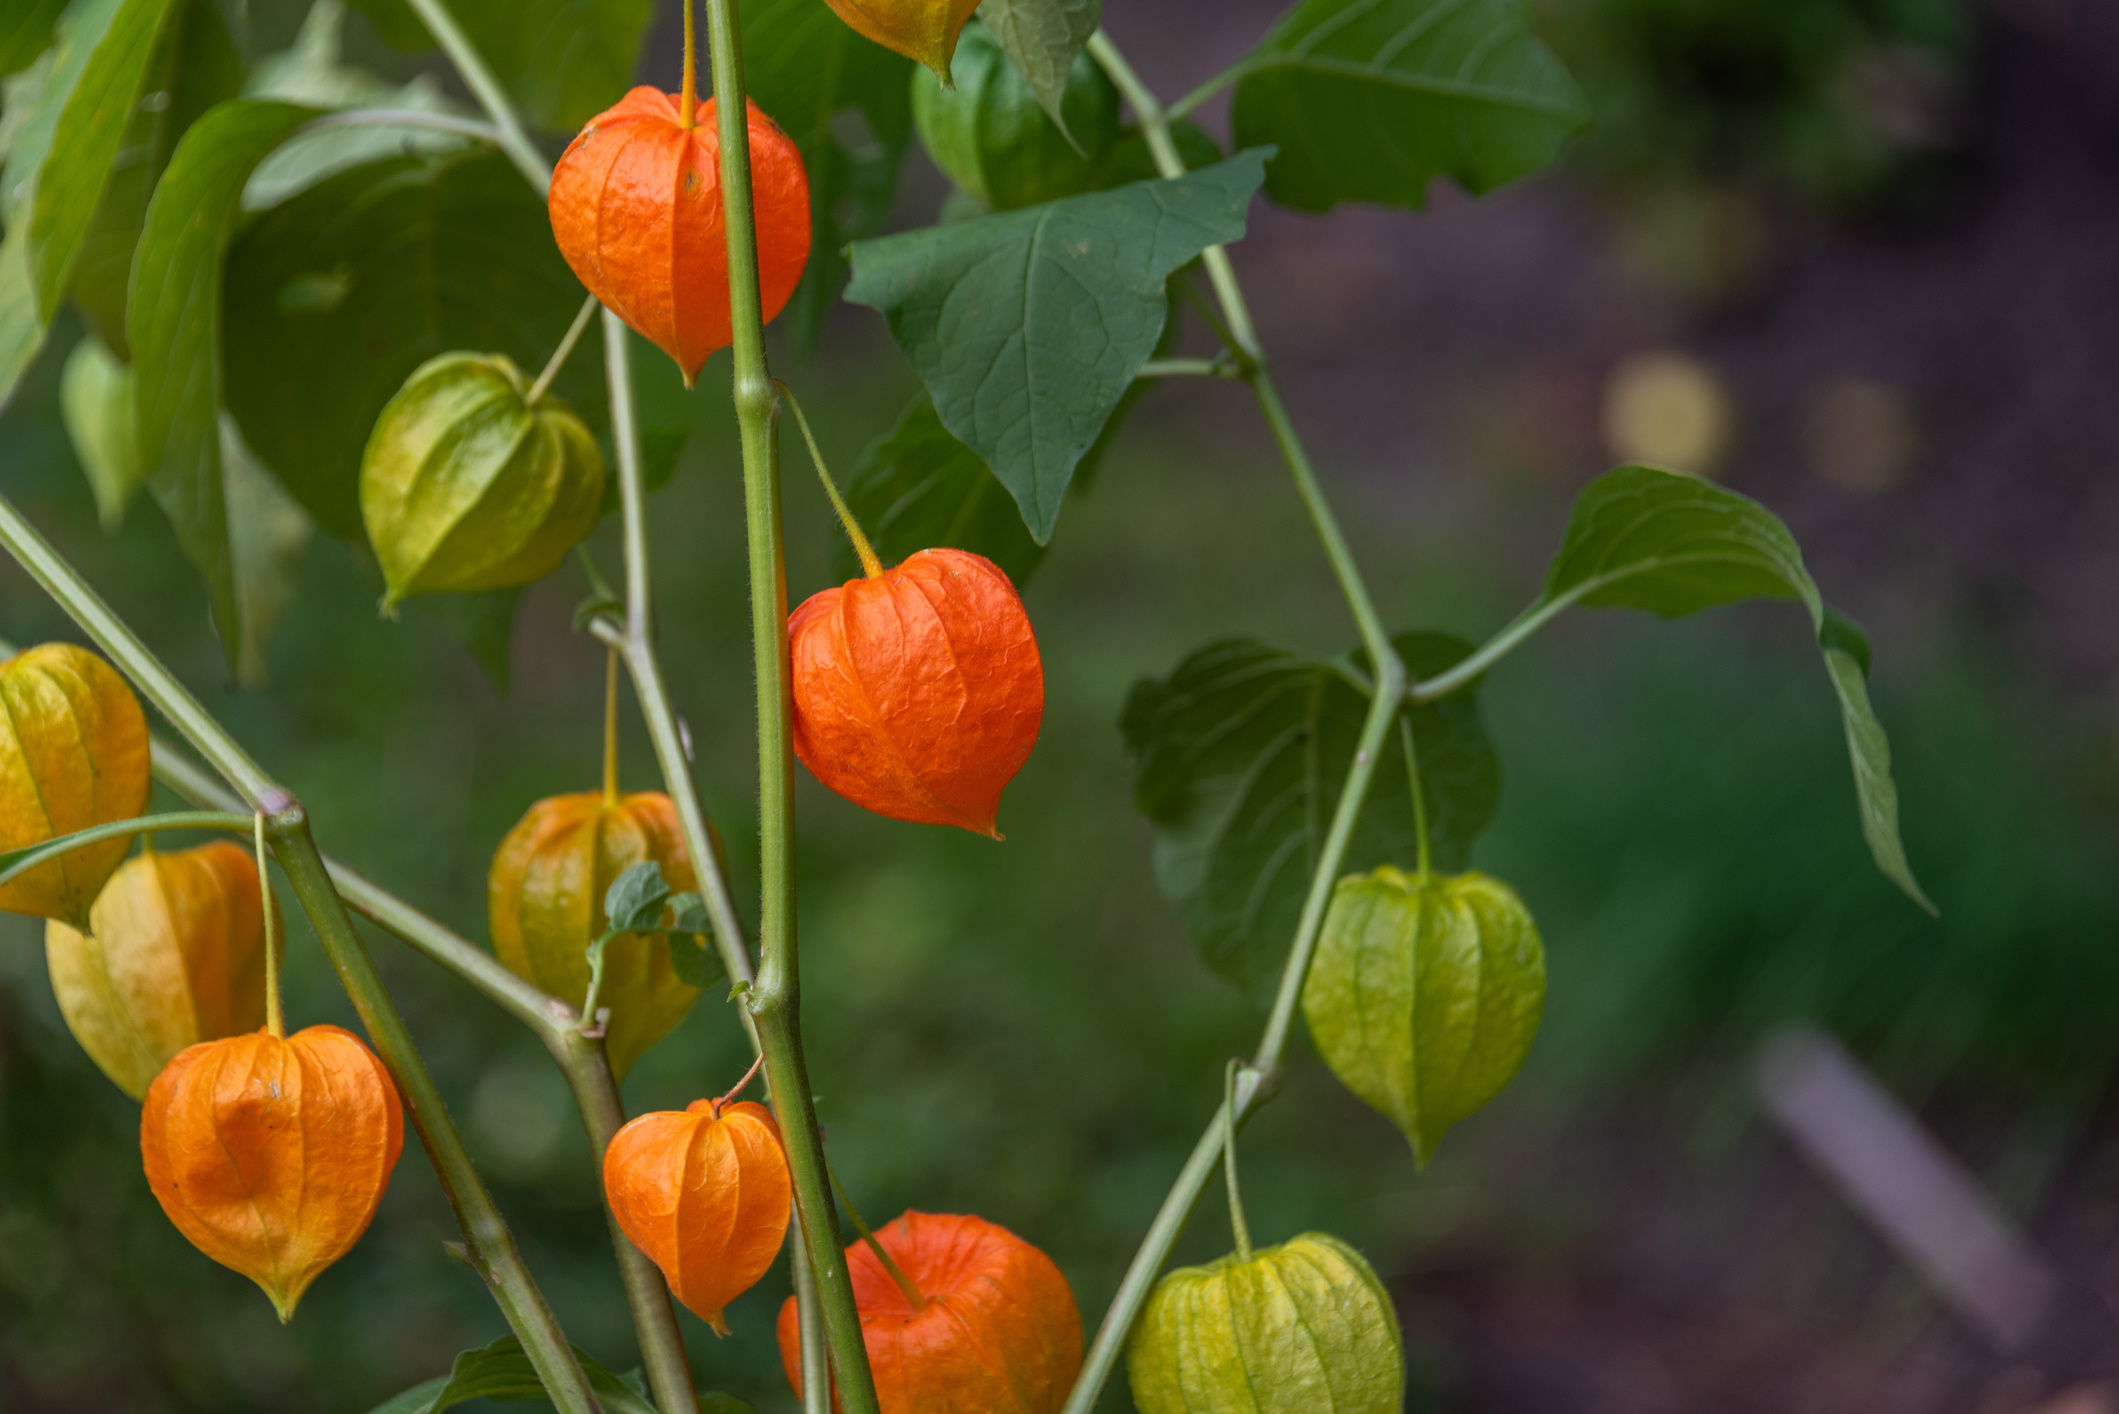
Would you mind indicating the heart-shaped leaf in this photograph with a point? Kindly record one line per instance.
(1028, 327)
(1239, 757)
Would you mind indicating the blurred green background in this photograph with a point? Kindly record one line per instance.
(1854, 251)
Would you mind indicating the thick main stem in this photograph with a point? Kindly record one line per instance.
(775, 1002)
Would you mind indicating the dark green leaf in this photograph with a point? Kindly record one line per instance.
(502, 1372)
(90, 129)
(992, 136)
(1239, 758)
(195, 66)
(21, 327)
(565, 61)
(918, 487)
(28, 33)
(1371, 100)
(1042, 39)
(1029, 327)
(267, 533)
(1641, 538)
(1129, 160)
(690, 938)
(847, 103)
(636, 899)
(175, 326)
(336, 295)
(723, 1404)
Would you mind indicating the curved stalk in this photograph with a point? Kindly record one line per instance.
(1256, 1082)
(775, 1001)
(514, 139)
(407, 118)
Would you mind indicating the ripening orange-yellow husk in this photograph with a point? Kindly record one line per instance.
(996, 1330)
(706, 1196)
(174, 955)
(544, 906)
(636, 209)
(918, 692)
(922, 30)
(271, 1155)
(73, 753)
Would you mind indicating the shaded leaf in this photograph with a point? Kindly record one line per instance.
(1028, 327)
(1042, 38)
(1239, 758)
(28, 33)
(91, 126)
(267, 533)
(565, 61)
(1641, 538)
(21, 327)
(847, 103)
(174, 319)
(503, 1373)
(194, 66)
(1371, 100)
(918, 487)
(483, 623)
(337, 295)
(691, 952)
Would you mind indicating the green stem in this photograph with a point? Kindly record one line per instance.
(486, 88)
(914, 1297)
(870, 564)
(174, 700)
(16, 863)
(1237, 1222)
(1189, 368)
(275, 1014)
(1260, 1079)
(559, 357)
(1412, 779)
(775, 1002)
(589, 1025)
(407, 118)
(491, 1243)
(1500, 645)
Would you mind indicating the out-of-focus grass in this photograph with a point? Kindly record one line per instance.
(1020, 1029)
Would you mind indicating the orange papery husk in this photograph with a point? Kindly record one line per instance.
(271, 1155)
(636, 209)
(73, 753)
(706, 1197)
(918, 693)
(998, 1332)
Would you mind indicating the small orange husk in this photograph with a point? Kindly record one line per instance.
(705, 1195)
(271, 1155)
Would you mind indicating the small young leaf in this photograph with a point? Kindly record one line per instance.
(1042, 38)
(692, 951)
(95, 400)
(847, 103)
(918, 487)
(1239, 757)
(636, 899)
(1641, 538)
(174, 322)
(1425, 995)
(1028, 327)
(1371, 100)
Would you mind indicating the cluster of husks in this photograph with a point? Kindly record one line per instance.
(269, 1153)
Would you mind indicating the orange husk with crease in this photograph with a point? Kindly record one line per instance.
(174, 955)
(544, 906)
(918, 692)
(997, 1331)
(923, 30)
(636, 209)
(73, 753)
(706, 1196)
(271, 1155)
